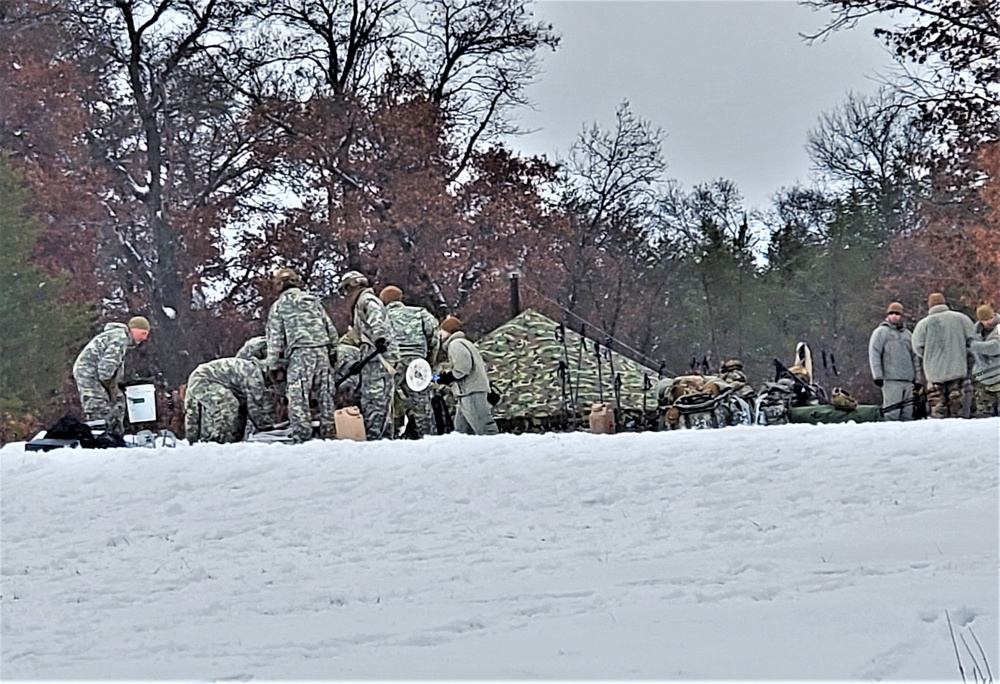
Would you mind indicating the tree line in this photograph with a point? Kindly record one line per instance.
(166, 157)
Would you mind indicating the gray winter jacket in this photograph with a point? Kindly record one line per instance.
(890, 353)
(985, 348)
(466, 365)
(941, 340)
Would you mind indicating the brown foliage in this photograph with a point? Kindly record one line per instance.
(957, 250)
(43, 126)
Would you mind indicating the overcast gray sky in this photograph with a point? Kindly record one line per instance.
(731, 84)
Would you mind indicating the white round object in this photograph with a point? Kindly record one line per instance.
(418, 375)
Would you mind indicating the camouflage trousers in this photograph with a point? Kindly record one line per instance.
(951, 399)
(212, 414)
(987, 402)
(416, 406)
(98, 405)
(309, 378)
(474, 415)
(378, 386)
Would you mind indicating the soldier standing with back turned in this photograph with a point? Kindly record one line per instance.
(300, 333)
(416, 332)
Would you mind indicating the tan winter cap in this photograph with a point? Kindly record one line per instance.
(985, 313)
(140, 322)
(895, 307)
(935, 299)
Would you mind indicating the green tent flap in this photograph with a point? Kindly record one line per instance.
(523, 357)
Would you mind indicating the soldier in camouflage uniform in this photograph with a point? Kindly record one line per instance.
(348, 354)
(99, 369)
(468, 380)
(254, 348)
(417, 336)
(221, 395)
(301, 335)
(379, 376)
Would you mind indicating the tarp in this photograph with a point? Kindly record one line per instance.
(523, 357)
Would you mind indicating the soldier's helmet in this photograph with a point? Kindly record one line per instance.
(351, 279)
(285, 278)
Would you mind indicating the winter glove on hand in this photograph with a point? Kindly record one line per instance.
(446, 378)
(878, 382)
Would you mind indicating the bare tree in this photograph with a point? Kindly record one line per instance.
(949, 56)
(872, 146)
(609, 189)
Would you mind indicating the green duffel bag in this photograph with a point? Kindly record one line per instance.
(824, 413)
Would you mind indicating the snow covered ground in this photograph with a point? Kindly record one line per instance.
(793, 552)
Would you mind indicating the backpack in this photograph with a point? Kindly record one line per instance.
(71, 428)
(773, 402)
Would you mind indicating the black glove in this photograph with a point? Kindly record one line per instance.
(446, 378)
(878, 382)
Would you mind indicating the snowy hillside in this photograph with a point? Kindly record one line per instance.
(804, 552)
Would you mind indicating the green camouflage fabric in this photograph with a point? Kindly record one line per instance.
(378, 382)
(415, 329)
(300, 332)
(416, 332)
(370, 322)
(522, 357)
(310, 379)
(297, 320)
(98, 369)
(347, 356)
(986, 401)
(254, 348)
(221, 395)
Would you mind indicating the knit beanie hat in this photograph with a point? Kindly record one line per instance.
(451, 324)
(390, 293)
(985, 313)
(895, 307)
(935, 299)
(140, 322)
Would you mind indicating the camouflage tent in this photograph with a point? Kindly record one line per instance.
(523, 356)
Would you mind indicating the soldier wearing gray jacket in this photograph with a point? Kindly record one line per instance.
(416, 332)
(985, 348)
(941, 339)
(100, 367)
(221, 395)
(300, 334)
(891, 358)
(469, 382)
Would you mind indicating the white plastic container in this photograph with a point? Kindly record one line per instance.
(141, 402)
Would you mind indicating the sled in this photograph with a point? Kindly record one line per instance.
(824, 413)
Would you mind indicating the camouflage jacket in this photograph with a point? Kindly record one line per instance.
(254, 348)
(416, 330)
(103, 359)
(297, 320)
(371, 321)
(245, 379)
